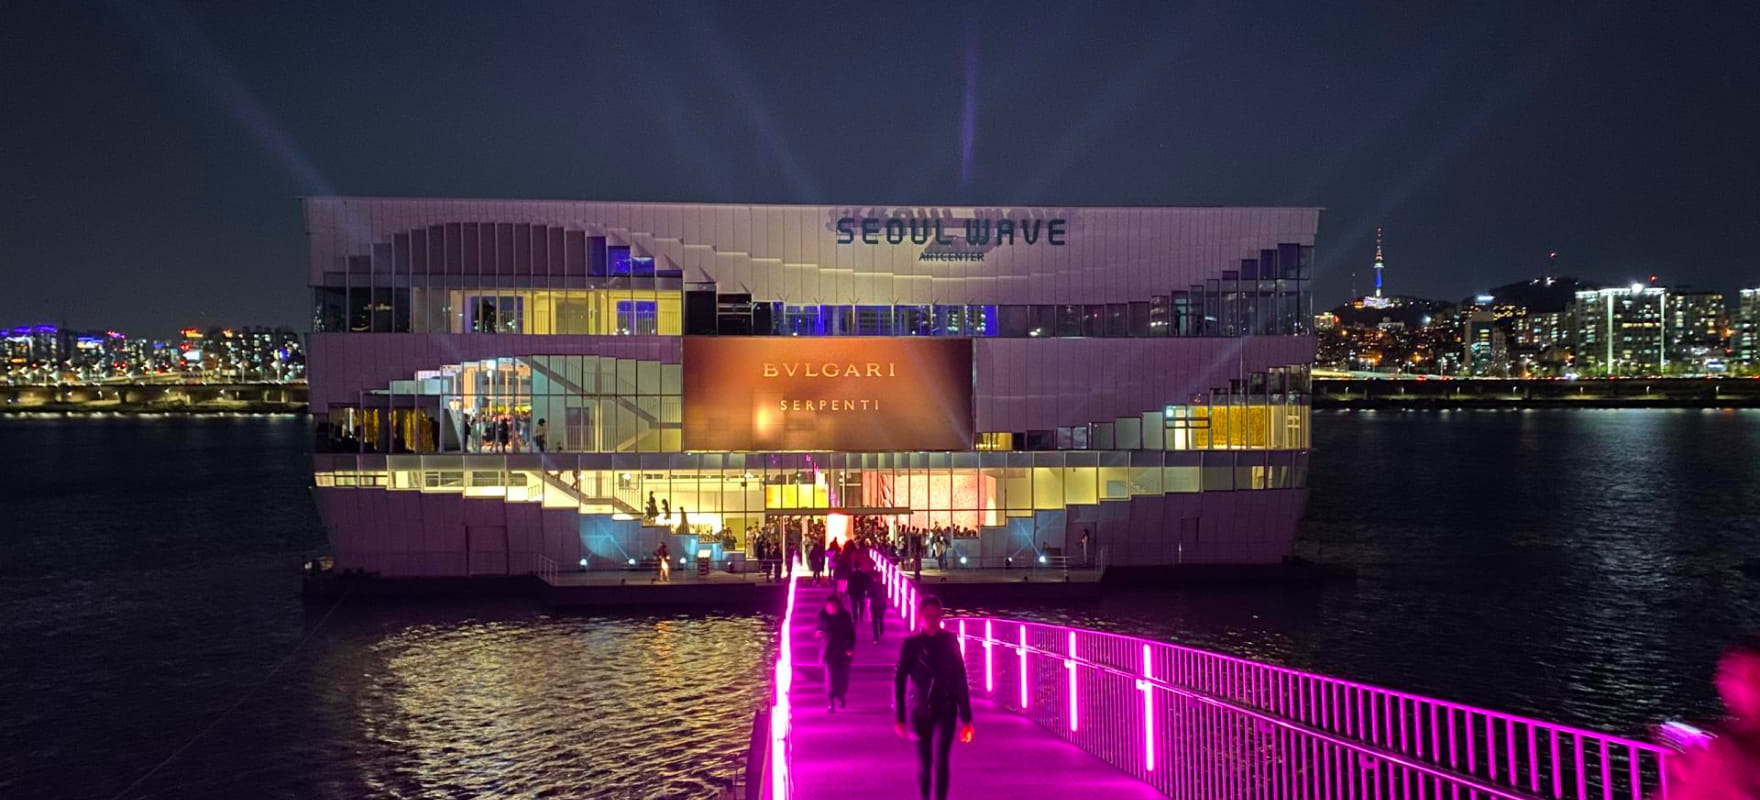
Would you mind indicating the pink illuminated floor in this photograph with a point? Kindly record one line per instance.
(852, 754)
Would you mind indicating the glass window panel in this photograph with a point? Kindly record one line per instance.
(1115, 483)
(1145, 481)
(1047, 488)
(1081, 486)
(1181, 479)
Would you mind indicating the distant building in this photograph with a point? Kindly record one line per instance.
(1486, 349)
(1697, 325)
(1543, 330)
(1620, 331)
(1325, 321)
(1747, 330)
(1541, 342)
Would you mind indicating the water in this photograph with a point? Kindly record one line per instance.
(150, 596)
(1577, 565)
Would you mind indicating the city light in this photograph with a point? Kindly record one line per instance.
(50, 355)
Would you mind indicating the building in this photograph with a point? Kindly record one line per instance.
(1746, 341)
(1542, 342)
(1486, 351)
(1698, 323)
(1620, 331)
(1017, 375)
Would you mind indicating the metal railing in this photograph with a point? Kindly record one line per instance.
(544, 567)
(1197, 724)
(774, 782)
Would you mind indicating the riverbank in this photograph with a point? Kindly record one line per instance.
(148, 398)
(1548, 394)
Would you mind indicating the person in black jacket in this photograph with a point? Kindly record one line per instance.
(876, 602)
(930, 666)
(858, 589)
(837, 647)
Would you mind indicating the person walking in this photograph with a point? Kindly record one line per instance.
(841, 567)
(816, 559)
(931, 669)
(837, 648)
(542, 434)
(876, 603)
(1726, 765)
(858, 590)
(664, 556)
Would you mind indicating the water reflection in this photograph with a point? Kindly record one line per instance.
(588, 706)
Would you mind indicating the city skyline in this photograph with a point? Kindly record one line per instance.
(1481, 142)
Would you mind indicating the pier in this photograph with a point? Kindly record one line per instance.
(1068, 712)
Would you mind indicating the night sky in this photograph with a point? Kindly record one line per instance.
(151, 153)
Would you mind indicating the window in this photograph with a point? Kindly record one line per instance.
(638, 317)
(494, 314)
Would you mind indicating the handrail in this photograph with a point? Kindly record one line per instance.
(1369, 751)
(1423, 739)
(1305, 733)
(1366, 687)
(545, 567)
(776, 781)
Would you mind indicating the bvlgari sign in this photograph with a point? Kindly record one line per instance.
(851, 394)
(948, 238)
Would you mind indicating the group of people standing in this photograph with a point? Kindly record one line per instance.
(485, 432)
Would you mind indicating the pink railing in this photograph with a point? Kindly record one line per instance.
(1202, 725)
(775, 782)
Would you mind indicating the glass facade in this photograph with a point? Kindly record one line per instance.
(590, 423)
(599, 404)
(970, 491)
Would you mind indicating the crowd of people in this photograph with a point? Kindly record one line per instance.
(512, 432)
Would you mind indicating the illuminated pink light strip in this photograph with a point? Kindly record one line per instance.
(1023, 651)
(782, 711)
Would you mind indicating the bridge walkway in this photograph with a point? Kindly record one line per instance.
(853, 754)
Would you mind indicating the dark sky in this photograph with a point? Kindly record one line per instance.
(151, 153)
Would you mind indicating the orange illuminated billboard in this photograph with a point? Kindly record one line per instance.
(848, 394)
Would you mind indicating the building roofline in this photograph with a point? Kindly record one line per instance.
(409, 199)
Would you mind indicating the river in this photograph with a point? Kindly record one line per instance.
(1577, 565)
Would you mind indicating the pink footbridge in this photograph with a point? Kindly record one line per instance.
(1067, 712)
